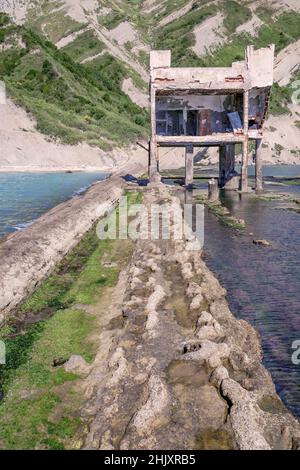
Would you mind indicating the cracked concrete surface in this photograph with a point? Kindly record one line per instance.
(170, 377)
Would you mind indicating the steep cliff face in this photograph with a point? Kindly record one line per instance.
(110, 41)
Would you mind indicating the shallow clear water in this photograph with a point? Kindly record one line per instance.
(263, 284)
(25, 196)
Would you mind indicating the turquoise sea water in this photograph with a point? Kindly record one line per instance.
(263, 284)
(26, 196)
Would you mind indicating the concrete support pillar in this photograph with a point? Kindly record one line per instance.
(153, 162)
(230, 158)
(213, 190)
(258, 166)
(244, 172)
(227, 177)
(189, 166)
(222, 172)
(154, 176)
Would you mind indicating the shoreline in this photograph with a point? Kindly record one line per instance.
(65, 169)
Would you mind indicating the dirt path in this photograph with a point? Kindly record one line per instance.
(209, 34)
(176, 14)
(175, 369)
(70, 38)
(136, 95)
(116, 50)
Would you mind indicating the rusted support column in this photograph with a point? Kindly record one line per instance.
(153, 152)
(258, 166)
(189, 165)
(244, 172)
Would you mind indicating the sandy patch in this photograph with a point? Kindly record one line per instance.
(14, 118)
(141, 47)
(123, 33)
(283, 131)
(117, 50)
(104, 11)
(252, 26)
(287, 61)
(16, 9)
(70, 38)
(151, 5)
(93, 57)
(22, 148)
(136, 95)
(287, 4)
(77, 9)
(209, 34)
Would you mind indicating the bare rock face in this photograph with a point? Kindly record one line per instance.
(152, 413)
(77, 365)
(181, 372)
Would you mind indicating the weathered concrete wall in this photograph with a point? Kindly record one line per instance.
(199, 74)
(260, 63)
(160, 59)
(214, 102)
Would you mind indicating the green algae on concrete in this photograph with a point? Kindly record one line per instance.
(40, 409)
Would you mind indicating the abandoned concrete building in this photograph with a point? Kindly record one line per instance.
(219, 106)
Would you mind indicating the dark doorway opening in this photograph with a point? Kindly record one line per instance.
(192, 122)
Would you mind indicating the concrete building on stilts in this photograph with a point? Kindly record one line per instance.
(219, 106)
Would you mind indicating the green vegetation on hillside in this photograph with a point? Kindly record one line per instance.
(236, 14)
(178, 35)
(281, 32)
(68, 100)
(111, 20)
(84, 102)
(52, 21)
(85, 45)
(280, 98)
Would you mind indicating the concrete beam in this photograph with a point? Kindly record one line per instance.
(222, 156)
(153, 153)
(200, 141)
